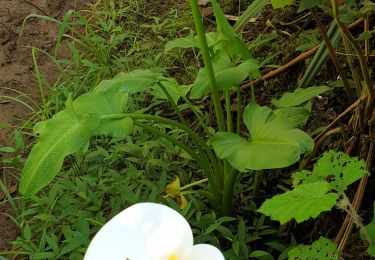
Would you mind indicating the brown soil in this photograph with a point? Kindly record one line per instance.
(17, 74)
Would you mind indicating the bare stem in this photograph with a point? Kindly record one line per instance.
(362, 60)
(333, 54)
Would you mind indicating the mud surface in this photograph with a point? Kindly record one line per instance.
(17, 76)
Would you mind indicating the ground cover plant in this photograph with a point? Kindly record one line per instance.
(115, 131)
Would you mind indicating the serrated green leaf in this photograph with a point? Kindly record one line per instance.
(64, 134)
(303, 202)
(322, 249)
(274, 142)
(299, 96)
(281, 3)
(370, 228)
(337, 168)
(305, 177)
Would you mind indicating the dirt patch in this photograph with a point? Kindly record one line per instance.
(17, 73)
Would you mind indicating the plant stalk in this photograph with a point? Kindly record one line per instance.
(239, 111)
(40, 83)
(202, 146)
(362, 60)
(229, 112)
(211, 156)
(230, 179)
(208, 63)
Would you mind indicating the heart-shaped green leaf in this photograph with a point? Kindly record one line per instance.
(226, 74)
(297, 116)
(106, 103)
(132, 82)
(142, 80)
(191, 42)
(273, 142)
(172, 87)
(100, 103)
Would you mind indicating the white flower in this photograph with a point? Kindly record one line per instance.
(148, 231)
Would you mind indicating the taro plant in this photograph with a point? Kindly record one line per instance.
(273, 139)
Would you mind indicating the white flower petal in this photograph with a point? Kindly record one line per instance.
(202, 252)
(144, 231)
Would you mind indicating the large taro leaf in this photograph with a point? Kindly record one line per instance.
(106, 103)
(226, 74)
(64, 134)
(337, 168)
(303, 202)
(297, 116)
(132, 82)
(298, 97)
(142, 80)
(322, 249)
(100, 103)
(273, 142)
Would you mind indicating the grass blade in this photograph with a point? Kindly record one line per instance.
(253, 10)
(320, 56)
(10, 199)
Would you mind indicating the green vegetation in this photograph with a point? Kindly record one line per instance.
(139, 114)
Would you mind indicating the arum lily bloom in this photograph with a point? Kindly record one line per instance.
(148, 231)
